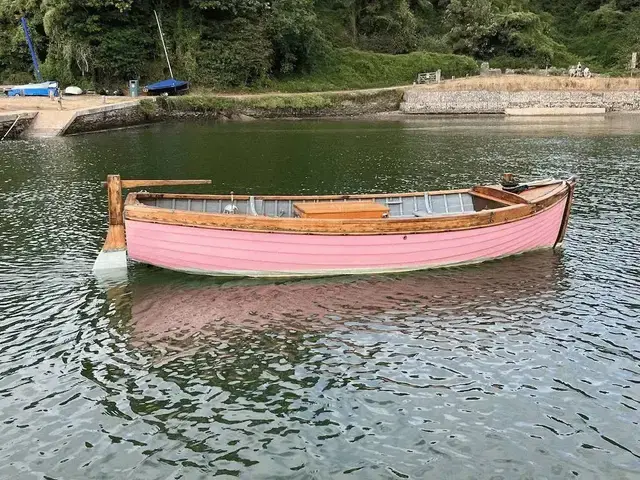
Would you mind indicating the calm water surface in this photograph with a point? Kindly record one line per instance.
(522, 368)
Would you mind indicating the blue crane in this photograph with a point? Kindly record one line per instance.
(34, 57)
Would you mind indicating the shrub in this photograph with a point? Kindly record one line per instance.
(349, 69)
(17, 78)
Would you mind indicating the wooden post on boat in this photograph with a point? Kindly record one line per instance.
(508, 179)
(115, 236)
(114, 250)
(509, 182)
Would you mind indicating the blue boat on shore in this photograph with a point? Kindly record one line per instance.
(35, 90)
(170, 86)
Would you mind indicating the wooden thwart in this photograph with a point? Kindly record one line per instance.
(364, 209)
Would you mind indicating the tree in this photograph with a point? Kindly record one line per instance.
(297, 41)
(473, 24)
(243, 42)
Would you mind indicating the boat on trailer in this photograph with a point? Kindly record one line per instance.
(320, 235)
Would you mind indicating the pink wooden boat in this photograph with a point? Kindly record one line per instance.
(284, 236)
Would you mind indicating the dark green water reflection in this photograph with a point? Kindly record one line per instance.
(522, 368)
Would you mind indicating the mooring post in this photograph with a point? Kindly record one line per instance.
(114, 251)
(115, 235)
(508, 178)
(509, 182)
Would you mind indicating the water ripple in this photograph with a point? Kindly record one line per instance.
(522, 368)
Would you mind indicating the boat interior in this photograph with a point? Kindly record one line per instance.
(404, 205)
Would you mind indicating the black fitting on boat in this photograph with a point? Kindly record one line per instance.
(510, 184)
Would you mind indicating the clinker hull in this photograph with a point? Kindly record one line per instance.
(223, 252)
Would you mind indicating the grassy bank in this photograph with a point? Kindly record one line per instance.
(515, 83)
(279, 105)
(349, 69)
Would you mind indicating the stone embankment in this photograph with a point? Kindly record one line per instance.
(107, 117)
(42, 118)
(79, 118)
(280, 105)
(13, 124)
(423, 101)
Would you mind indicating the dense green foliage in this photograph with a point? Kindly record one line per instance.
(308, 44)
(349, 68)
(599, 32)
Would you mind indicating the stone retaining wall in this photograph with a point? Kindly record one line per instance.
(433, 101)
(283, 105)
(108, 116)
(6, 120)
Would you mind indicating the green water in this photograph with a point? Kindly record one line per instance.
(522, 368)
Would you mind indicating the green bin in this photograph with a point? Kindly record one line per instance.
(134, 88)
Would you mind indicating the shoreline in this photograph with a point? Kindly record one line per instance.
(392, 116)
(392, 103)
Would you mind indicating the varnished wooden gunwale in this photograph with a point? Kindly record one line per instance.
(136, 211)
(534, 194)
(499, 195)
(359, 196)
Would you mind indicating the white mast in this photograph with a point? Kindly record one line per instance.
(163, 44)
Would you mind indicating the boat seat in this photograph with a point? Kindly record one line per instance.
(341, 210)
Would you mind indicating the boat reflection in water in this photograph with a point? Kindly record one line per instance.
(180, 308)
